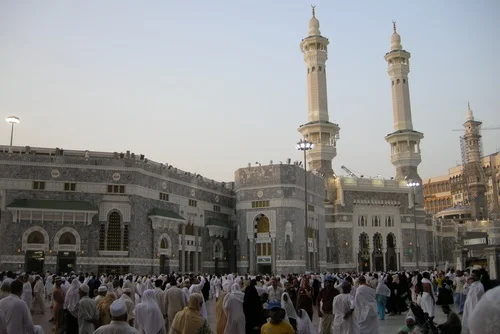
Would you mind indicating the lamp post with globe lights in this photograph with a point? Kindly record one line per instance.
(12, 120)
(305, 145)
(413, 185)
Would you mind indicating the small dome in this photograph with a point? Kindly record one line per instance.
(314, 27)
(395, 39)
(396, 42)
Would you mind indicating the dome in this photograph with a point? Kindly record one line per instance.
(395, 39)
(314, 27)
(396, 42)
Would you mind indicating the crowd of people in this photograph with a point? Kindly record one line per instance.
(176, 304)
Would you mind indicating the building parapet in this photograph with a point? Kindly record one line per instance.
(111, 159)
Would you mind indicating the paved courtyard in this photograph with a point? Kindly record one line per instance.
(389, 325)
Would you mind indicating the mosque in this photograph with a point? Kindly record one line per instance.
(109, 212)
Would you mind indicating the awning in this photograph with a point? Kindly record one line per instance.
(217, 223)
(164, 213)
(165, 219)
(218, 227)
(52, 205)
(42, 210)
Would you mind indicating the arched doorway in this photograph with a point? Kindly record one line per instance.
(364, 253)
(391, 252)
(66, 256)
(164, 258)
(378, 259)
(263, 247)
(35, 255)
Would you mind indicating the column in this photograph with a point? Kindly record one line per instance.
(372, 260)
(355, 258)
(384, 255)
(273, 255)
(122, 229)
(196, 241)
(251, 256)
(188, 254)
(183, 249)
(398, 259)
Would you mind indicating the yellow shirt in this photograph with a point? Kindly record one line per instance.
(282, 328)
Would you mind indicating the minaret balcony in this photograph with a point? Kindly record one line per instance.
(406, 159)
(404, 135)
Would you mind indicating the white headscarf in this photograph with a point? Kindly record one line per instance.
(288, 306)
(236, 292)
(304, 324)
(72, 298)
(148, 315)
(485, 319)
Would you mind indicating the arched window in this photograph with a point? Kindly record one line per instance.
(114, 235)
(263, 225)
(397, 81)
(67, 239)
(36, 237)
(364, 242)
(164, 243)
(189, 229)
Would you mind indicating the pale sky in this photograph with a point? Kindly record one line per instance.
(209, 86)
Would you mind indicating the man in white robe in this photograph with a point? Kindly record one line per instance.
(38, 299)
(343, 309)
(485, 319)
(474, 291)
(27, 295)
(17, 314)
(365, 305)
(87, 311)
(118, 323)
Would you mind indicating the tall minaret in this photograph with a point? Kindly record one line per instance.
(404, 141)
(473, 174)
(318, 129)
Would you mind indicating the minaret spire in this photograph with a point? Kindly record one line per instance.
(318, 128)
(394, 26)
(404, 141)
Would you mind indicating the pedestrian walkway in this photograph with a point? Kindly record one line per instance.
(390, 325)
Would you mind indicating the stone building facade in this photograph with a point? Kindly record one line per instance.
(371, 226)
(270, 216)
(108, 212)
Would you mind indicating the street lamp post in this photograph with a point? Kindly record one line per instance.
(12, 120)
(413, 185)
(305, 145)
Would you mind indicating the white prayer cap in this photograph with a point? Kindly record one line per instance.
(118, 308)
(102, 288)
(485, 319)
(85, 288)
(127, 290)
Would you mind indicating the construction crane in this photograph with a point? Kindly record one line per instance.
(348, 171)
